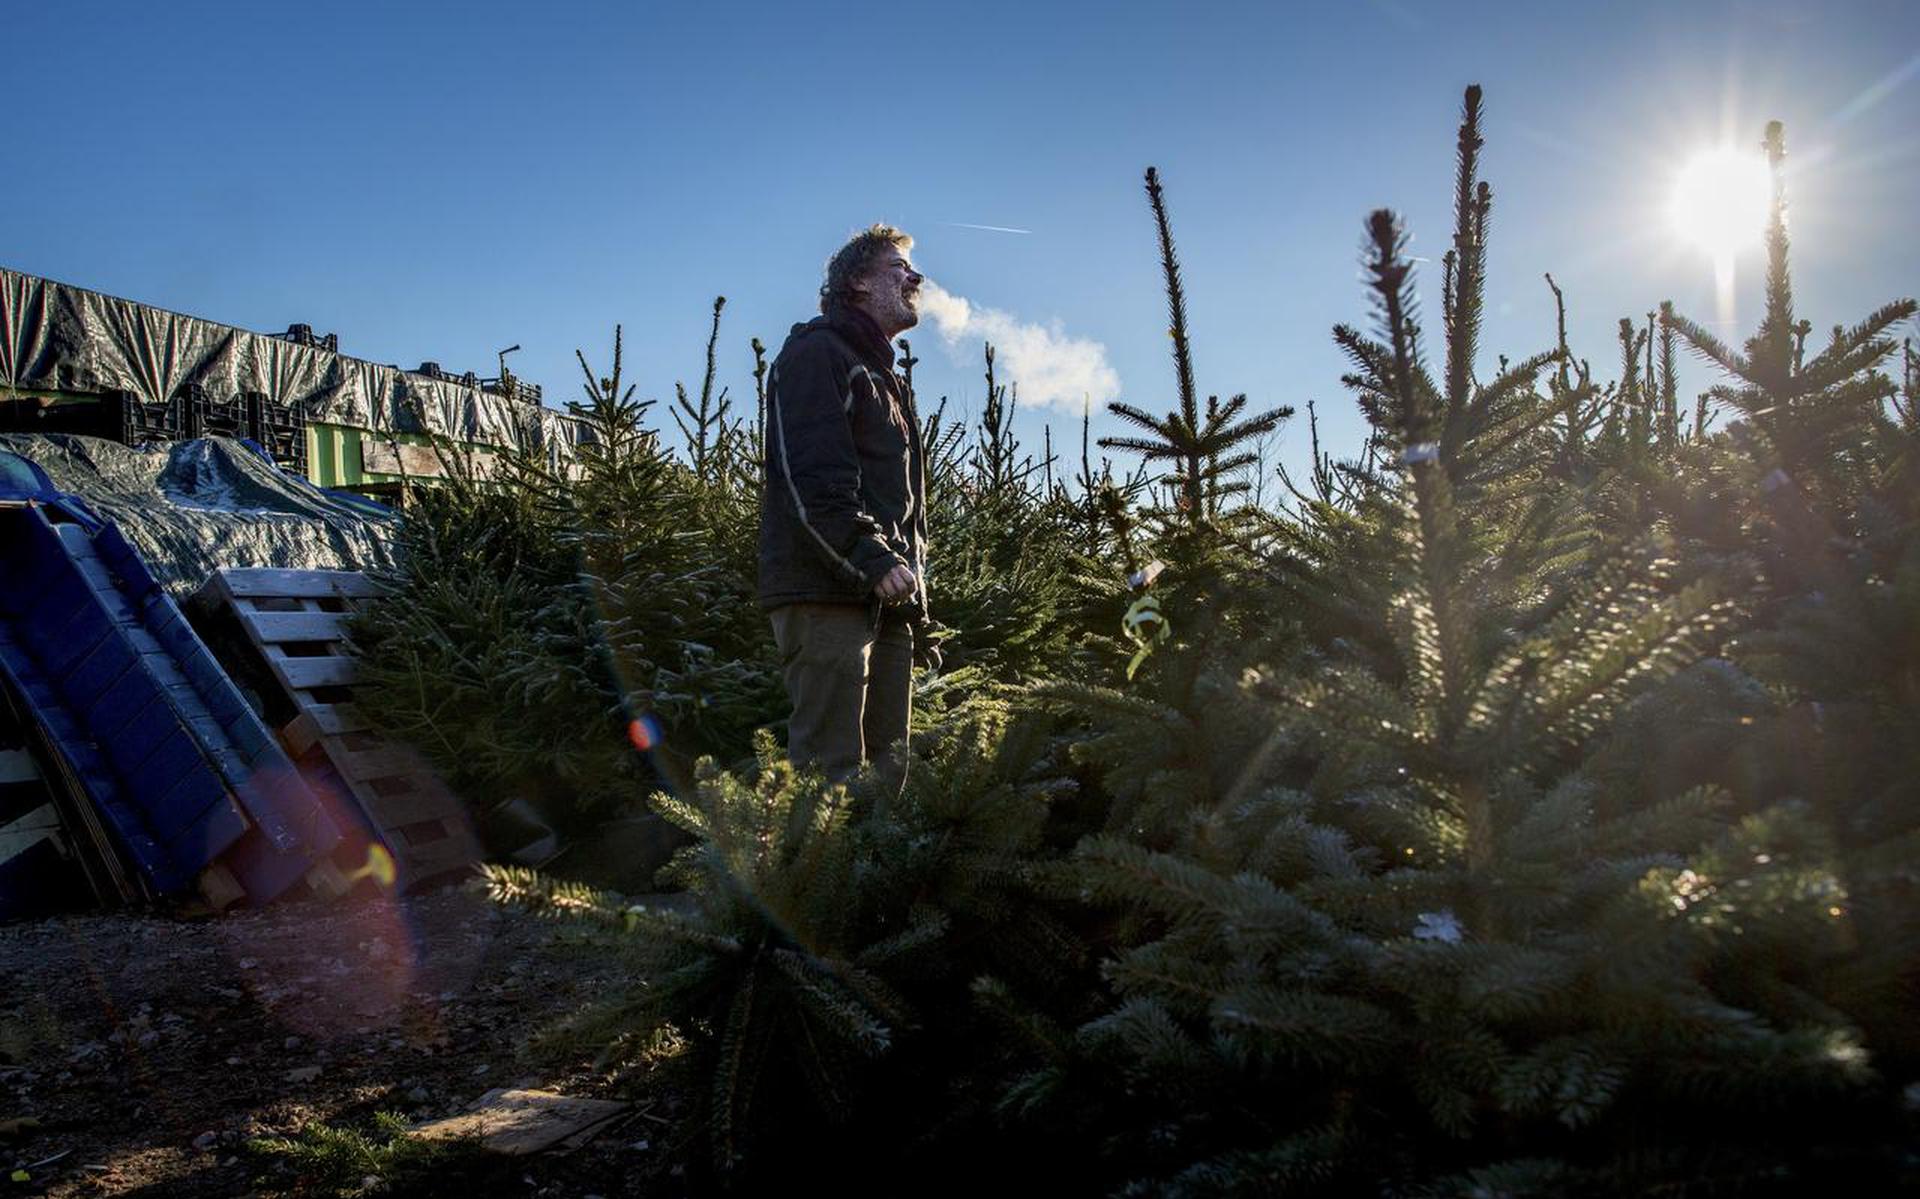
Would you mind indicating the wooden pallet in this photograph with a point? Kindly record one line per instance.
(296, 621)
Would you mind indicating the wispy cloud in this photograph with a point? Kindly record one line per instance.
(1048, 366)
(1401, 14)
(988, 228)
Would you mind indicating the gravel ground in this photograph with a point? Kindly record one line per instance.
(145, 1050)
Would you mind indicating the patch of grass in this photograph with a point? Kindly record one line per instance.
(342, 1161)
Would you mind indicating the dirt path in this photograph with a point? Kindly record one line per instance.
(150, 1049)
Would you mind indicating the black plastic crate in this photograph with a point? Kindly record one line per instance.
(263, 413)
(116, 416)
(139, 423)
(287, 447)
(303, 335)
(279, 429)
(208, 417)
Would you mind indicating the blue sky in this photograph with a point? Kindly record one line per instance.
(437, 181)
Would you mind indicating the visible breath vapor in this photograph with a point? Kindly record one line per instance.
(1048, 367)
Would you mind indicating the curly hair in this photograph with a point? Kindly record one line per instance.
(850, 261)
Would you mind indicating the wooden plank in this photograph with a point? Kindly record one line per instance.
(282, 607)
(299, 734)
(398, 458)
(337, 718)
(517, 1123)
(420, 461)
(275, 581)
(271, 628)
(451, 856)
(326, 880)
(456, 851)
(364, 766)
(396, 811)
(430, 835)
(317, 721)
(301, 673)
(219, 888)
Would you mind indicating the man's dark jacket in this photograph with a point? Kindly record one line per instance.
(845, 495)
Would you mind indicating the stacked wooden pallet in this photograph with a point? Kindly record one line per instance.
(295, 622)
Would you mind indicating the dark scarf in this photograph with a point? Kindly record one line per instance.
(863, 334)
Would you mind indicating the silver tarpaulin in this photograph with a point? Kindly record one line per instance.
(193, 506)
(56, 337)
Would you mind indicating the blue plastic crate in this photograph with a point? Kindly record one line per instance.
(178, 766)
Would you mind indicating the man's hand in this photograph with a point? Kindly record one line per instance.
(898, 584)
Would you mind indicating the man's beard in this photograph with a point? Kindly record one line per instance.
(904, 314)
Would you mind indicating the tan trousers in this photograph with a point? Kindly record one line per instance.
(850, 683)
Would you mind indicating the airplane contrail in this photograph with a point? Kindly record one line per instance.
(1877, 91)
(988, 228)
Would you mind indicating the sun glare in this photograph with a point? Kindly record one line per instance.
(1720, 200)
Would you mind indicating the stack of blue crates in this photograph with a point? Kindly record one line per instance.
(174, 763)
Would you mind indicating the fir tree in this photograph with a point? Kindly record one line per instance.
(1826, 474)
(1005, 562)
(1452, 936)
(828, 926)
(1206, 451)
(1801, 411)
(1669, 384)
(704, 425)
(1572, 393)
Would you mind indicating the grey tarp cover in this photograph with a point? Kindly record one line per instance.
(191, 506)
(56, 337)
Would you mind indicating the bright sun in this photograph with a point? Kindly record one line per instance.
(1720, 201)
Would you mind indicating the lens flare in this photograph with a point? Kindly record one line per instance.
(380, 868)
(351, 964)
(1720, 201)
(644, 732)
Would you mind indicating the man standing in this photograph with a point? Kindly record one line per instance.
(843, 521)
